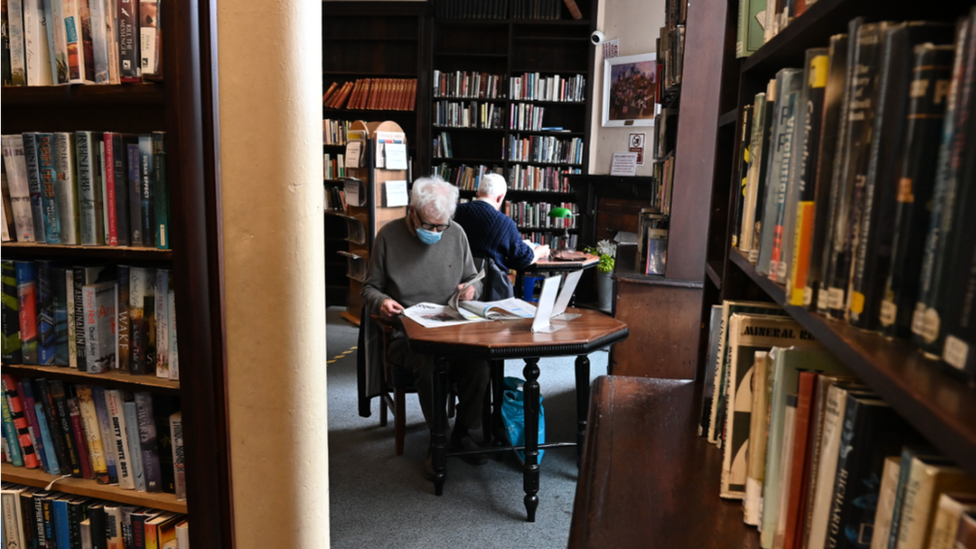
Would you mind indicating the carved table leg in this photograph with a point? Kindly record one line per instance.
(438, 434)
(582, 402)
(530, 471)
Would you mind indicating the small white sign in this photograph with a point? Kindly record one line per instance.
(353, 150)
(624, 164)
(611, 48)
(395, 194)
(635, 142)
(353, 196)
(396, 156)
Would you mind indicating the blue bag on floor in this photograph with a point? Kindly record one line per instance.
(513, 415)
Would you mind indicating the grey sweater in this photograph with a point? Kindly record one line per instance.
(403, 268)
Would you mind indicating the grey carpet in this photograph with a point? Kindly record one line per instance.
(378, 499)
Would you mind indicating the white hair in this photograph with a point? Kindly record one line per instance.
(434, 193)
(492, 185)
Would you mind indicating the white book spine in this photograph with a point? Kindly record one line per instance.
(829, 450)
(15, 167)
(162, 323)
(183, 535)
(111, 24)
(54, 10)
(174, 352)
(66, 189)
(113, 526)
(100, 44)
(15, 29)
(3, 215)
(147, 36)
(90, 223)
(113, 400)
(36, 44)
(86, 541)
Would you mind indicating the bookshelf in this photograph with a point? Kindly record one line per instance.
(183, 105)
(507, 48)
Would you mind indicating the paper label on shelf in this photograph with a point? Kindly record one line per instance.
(395, 194)
(955, 352)
(396, 156)
(353, 151)
(624, 164)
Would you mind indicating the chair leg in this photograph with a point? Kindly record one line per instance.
(451, 397)
(383, 410)
(399, 419)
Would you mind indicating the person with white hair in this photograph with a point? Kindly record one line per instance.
(492, 234)
(425, 257)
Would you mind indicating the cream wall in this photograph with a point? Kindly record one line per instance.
(636, 23)
(274, 270)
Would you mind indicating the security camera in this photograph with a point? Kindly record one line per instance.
(597, 38)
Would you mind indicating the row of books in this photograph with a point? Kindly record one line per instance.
(334, 165)
(670, 56)
(855, 194)
(816, 457)
(544, 148)
(34, 517)
(551, 239)
(54, 42)
(442, 146)
(334, 131)
(471, 9)
(535, 215)
(539, 178)
(455, 114)
(94, 319)
(662, 185)
(86, 188)
(665, 132)
(391, 94)
(525, 116)
(532, 86)
(469, 85)
(465, 177)
(761, 20)
(335, 199)
(111, 436)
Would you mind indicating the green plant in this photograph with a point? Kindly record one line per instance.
(607, 251)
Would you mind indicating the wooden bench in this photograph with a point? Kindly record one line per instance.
(646, 478)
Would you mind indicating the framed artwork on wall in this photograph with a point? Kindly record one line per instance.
(629, 88)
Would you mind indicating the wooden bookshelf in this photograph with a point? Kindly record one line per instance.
(112, 378)
(91, 489)
(22, 250)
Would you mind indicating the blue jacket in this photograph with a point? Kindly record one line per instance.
(493, 234)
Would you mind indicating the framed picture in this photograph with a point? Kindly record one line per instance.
(629, 88)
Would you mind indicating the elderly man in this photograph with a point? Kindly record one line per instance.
(425, 257)
(493, 234)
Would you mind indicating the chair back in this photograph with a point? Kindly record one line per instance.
(496, 283)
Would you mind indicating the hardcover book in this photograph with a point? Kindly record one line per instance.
(113, 399)
(32, 166)
(93, 434)
(15, 166)
(59, 402)
(951, 507)
(147, 442)
(89, 190)
(131, 144)
(10, 438)
(27, 307)
(36, 44)
(116, 177)
(48, 175)
(11, 315)
(162, 323)
(49, 429)
(99, 302)
(62, 352)
(127, 21)
(81, 443)
(123, 325)
(109, 449)
(135, 449)
(66, 187)
(886, 502)
(160, 191)
(19, 421)
(146, 188)
(26, 394)
(927, 481)
(46, 335)
(179, 463)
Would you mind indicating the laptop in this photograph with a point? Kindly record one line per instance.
(553, 302)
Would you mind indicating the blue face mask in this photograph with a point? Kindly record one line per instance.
(428, 237)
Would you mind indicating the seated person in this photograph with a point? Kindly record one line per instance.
(425, 257)
(493, 234)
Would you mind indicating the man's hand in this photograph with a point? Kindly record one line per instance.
(540, 253)
(467, 294)
(390, 309)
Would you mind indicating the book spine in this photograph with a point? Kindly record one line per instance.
(59, 513)
(50, 453)
(11, 315)
(98, 173)
(10, 434)
(78, 302)
(36, 44)
(92, 430)
(134, 191)
(85, 40)
(114, 402)
(179, 463)
(148, 36)
(123, 326)
(54, 426)
(90, 226)
(111, 213)
(27, 519)
(120, 177)
(135, 450)
(161, 191)
(174, 353)
(49, 196)
(27, 310)
(105, 433)
(15, 166)
(46, 334)
(74, 42)
(61, 305)
(76, 509)
(34, 187)
(162, 323)
(81, 445)
(147, 442)
(33, 427)
(127, 21)
(60, 403)
(99, 300)
(18, 57)
(19, 419)
(96, 513)
(101, 41)
(113, 526)
(147, 210)
(137, 325)
(66, 189)
(69, 288)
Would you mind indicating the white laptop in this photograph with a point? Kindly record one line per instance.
(553, 302)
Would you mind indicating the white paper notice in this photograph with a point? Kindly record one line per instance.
(353, 151)
(396, 156)
(624, 164)
(353, 196)
(395, 194)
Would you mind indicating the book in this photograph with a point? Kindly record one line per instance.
(26, 394)
(179, 462)
(15, 166)
(162, 407)
(931, 78)
(815, 81)
(116, 191)
(122, 325)
(48, 176)
(93, 434)
(873, 250)
(62, 302)
(794, 495)
(109, 449)
(10, 437)
(130, 144)
(27, 310)
(749, 333)
(945, 526)
(788, 86)
(19, 420)
(99, 310)
(13, 525)
(886, 502)
(46, 334)
(18, 55)
(50, 418)
(141, 297)
(174, 350)
(74, 43)
(50, 452)
(146, 188)
(80, 441)
(31, 162)
(162, 323)
(160, 191)
(113, 525)
(148, 38)
(11, 314)
(135, 450)
(66, 187)
(708, 390)
(89, 189)
(27, 517)
(113, 400)
(101, 40)
(927, 481)
(36, 44)
(785, 450)
(65, 428)
(98, 518)
(787, 365)
(127, 27)
(966, 538)
(147, 442)
(756, 180)
(744, 159)
(57, 38)
(758, 436)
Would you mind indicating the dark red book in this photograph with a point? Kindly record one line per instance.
(797, 495)
(80, 442)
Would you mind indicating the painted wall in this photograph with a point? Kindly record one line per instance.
(274, 268)
(636, 23)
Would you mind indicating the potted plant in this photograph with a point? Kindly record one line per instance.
(607, 251)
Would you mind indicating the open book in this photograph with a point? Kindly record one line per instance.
(431, 315)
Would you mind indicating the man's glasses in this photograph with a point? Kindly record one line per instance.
(430, 226)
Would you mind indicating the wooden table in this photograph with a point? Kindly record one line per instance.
(553, 266)
(500, 340)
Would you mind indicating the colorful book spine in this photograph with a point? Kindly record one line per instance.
(161, 191)
(10, 434)
(99, 302)
(74, 42)
(79, 439)
(179, 462)
(115, 148)
(62, 303)
(19, 421)
(69, 290)
(78, 303)
(113, 400)
(11, 315)
(60, 403)
(46, 334)
(148, 37)
(146, 184)
(89, 191)
(147, 442)
(162, 323)
(93, 436)
(137, 326)
(44, 143)
(62, 535)
(85, 39)
(105, 430)
(66, 187)
(108, 177)
(43, 395)
(34, 186)
(128, 33)
(50, 453)
(135, 450)
(26, 394)
(131, 143)
(27, 308)
(15, 166)
(123, 325)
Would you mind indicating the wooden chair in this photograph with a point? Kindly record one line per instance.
(397, 382)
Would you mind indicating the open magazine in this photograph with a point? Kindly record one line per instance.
(431, 315)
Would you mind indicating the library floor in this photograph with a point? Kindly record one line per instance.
(378, 499)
